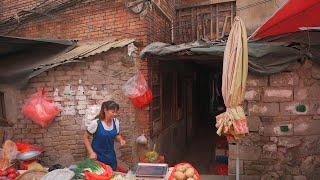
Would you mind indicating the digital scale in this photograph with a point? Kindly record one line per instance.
(151, 170)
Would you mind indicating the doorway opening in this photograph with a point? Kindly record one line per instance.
(206, 151)
(189, 99)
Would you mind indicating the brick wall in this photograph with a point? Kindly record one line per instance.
(87, 20)
(97, 79)
(268, 152)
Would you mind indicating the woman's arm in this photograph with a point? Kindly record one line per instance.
(120, 139)
(86, 140)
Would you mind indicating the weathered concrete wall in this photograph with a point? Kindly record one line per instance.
(255, 12)
(268, 152)
(78, 88)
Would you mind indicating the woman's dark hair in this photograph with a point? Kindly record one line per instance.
(108, 105)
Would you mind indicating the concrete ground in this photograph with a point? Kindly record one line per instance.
(201, 152)
(213, 177)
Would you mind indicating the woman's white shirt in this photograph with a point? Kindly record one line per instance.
(93, 125)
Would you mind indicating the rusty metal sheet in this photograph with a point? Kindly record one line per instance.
(24, 58)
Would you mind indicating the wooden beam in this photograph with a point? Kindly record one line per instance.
(204, 3)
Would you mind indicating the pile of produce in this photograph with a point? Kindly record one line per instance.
(91, 169)
(10, 173)
(120, 177)
(152, 156)
(184, 171)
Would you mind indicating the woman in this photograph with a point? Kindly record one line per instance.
(105, 129)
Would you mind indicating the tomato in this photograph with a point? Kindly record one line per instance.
(11, 170)
(4, 173)
(12, 175)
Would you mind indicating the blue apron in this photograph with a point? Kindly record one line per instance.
(103, 145)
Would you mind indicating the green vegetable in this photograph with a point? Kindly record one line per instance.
(88, 165)
(152, 156)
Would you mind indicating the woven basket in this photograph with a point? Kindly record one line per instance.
(32, 175)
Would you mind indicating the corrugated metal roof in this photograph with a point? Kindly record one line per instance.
(27, 58)
(83, 50)
(19, 56)
(80, 51)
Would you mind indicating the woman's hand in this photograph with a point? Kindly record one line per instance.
(92, 155)
(122, 142)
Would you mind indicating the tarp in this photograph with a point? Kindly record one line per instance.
(264, 58)
(23, 58)
(294, 16)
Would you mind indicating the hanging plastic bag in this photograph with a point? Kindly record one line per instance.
(40, 109)
(135, 86)
(137, 90)
(142, 100)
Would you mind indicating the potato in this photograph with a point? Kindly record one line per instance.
(189, 172)
(181, 168)
(195, 177)
(179, 175)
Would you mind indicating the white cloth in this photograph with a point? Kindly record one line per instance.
(92, 127)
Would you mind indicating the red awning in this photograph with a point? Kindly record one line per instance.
(293, 16)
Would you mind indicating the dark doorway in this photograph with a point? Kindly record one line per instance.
(206, 102)
(189, 99)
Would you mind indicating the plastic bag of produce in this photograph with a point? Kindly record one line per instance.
(40, 109)
(142, 100)
(107, 174)
(26, 147)
(135, 86)
(64, 174)
(184, 171)
(92, 170)
(137, 90)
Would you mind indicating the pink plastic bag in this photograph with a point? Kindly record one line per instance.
(40, 109)
(137, 90)
(135, 86)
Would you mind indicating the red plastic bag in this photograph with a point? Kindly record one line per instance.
(142, 100)
(196, 174)
(221, 169)
(137, 90)
(40, 109)
(135, 86)
(25, 147)
(104, 176)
